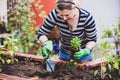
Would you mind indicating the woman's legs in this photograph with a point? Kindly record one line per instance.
(65, 56)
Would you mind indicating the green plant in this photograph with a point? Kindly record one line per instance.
(21, 22)
(107, 33)
(75, 43)
(71, 65)
(12, 48)
(114, 63)
(11, 59)
(1, 58)
(113, 32)
(105, 49)
(113, 60)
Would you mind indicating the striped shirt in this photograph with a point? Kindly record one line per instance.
(86, 29)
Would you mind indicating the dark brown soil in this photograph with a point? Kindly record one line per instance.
(27, 68)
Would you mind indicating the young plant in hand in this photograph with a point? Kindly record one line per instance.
(75, 44)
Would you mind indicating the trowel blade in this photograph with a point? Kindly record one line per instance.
(50, 65)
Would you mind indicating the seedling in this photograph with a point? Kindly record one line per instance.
(12, 48)
(11, 59)
(113, 33)
(1, 58)
(71, 65)
(76, 43)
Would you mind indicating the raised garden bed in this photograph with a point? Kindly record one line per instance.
(33, 68)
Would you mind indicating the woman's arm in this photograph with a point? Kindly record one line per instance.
(91, 45)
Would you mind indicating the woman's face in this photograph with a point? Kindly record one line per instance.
(65, 10)
(66, 14)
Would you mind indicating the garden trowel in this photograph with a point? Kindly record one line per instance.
(50, 65)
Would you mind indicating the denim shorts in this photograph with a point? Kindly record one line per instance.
(66, 56)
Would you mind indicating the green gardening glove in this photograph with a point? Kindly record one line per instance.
(47, 49)
(81, 53)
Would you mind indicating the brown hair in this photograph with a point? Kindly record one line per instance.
(64, 1)
(76, 2)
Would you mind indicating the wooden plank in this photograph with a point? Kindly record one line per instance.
(10, 77)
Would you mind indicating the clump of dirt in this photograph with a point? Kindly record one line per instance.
(27, 69)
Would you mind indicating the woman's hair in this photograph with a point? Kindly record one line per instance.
(75, 2)
(64, 1)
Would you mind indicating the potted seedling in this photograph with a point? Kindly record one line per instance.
(75, 43)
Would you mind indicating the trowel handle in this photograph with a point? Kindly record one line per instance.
(46, 53)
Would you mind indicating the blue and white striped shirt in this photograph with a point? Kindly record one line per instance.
(86, 29)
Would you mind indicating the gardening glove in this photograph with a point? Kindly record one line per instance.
(81, 53)
(47, 49)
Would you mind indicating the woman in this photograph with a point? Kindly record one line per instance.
(72, 22)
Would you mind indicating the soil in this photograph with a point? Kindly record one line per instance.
(27, 68)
